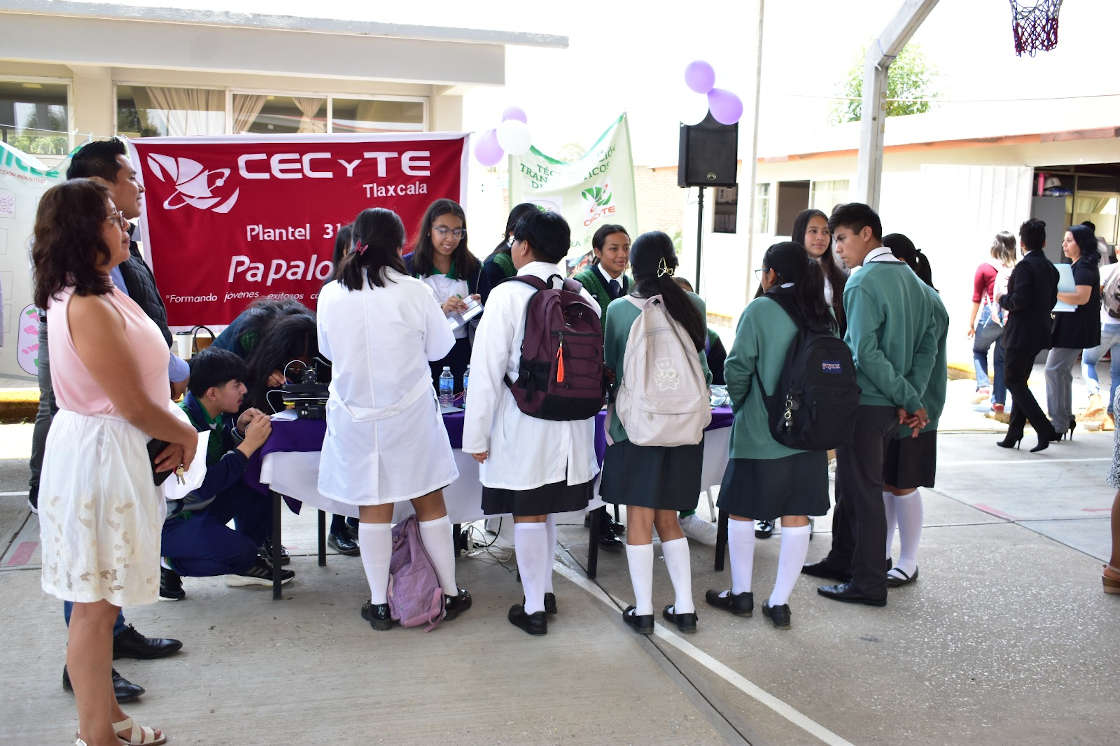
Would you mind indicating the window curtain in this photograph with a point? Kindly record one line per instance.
(188, 111)
(308, 108)
(246, 109)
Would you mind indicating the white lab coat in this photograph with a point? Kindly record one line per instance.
(385, 437)
(524, 452)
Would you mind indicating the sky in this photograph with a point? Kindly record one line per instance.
(630, 56)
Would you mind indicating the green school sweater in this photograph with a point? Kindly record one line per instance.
(933, 397)
(593, 282)
(892, 342)
(620, 316)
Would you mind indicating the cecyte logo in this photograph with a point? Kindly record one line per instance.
(194, 183)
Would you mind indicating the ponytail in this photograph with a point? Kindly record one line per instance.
(654, 262)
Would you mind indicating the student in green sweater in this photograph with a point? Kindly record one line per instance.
(764, 477)
(911, 459)
(605, 278)
(654, 482)
(894, 346)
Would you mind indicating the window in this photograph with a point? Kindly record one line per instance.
(762, 208)
(376, 115)
(34, 117)
(793, 197)
(279, 114)
(146, 111)
(727, 205)
(825, 195)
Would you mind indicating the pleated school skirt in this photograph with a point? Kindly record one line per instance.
(768, 488)
(658, 477)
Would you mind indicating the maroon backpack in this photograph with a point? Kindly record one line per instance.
(561, 372)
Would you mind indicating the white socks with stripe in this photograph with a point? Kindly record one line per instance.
(440, 545)
(530, 543)
(679, 562)
(908, 510)
(740, 549)
(376, 542)
(639, 557)
(791, 557)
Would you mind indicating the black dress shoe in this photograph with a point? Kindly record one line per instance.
(550, 603)
(124, 689)
(845, 592)
(265, 551)
(825, 569)
(455, 605)
(763, 529)
(642, 623)
(610, 542)
(170, 585)
(617, 528)
(343, 544)
(684, 622)
(779, 615)
(377, 615)
(131, 644)
(739, 604)
(535, 623)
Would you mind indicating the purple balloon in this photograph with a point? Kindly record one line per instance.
(699, 76)
(487, 150)
(725, 106)
(515, 112)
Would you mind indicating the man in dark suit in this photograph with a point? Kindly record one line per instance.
(1031, 294)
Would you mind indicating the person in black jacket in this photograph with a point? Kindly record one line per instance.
(1031, 294)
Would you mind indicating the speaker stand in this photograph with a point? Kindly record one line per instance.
(699, 234)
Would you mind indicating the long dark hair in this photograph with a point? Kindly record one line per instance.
(831, 269)
(903, 248)
(518, 212)
(378, 236)
(792, 263)
(291, 337)
(1087, 243)
(343, 240)
(68, 244)
(466, 264)
(654, 261)
(260, 316)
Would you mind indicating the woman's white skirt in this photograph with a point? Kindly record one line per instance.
(100, 513)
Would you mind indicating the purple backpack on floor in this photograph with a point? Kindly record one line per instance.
(415, 595)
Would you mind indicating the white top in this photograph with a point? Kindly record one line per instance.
(385, 438)
(524, 452)
(444, 287)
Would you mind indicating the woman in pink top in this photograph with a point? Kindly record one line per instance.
(985, 325)
(100, 513)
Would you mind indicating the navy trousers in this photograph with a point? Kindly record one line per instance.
(202, 544)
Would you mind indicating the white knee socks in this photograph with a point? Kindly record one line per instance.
(889, 508)
(530, 543)
(376, 542)
(550, 523)
(679, 563)
(791, 557)
(740, 548)
(909, 512)
(640, 559)
(437, 539)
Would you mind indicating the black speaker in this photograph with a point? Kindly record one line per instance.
(709, 154)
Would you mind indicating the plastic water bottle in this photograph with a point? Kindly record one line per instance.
(466, 382)
(446, 387)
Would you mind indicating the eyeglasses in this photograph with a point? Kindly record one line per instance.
(761, 271)
(116, 216)
(443, 232)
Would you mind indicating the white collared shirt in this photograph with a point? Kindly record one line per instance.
(880, 254)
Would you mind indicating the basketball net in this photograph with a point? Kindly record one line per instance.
(1035, 27)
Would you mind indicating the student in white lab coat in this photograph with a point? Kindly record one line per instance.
(531, 467)
(385, 438)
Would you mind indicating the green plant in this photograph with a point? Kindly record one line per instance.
(909, 78)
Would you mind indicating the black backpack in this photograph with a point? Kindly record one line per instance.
(814, 406)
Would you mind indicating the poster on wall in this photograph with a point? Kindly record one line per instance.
(593, 190)
(228, 220)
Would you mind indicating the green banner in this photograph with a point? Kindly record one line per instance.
(596, 189)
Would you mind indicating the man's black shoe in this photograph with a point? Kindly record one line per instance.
(739, 604)
(534, 624)
(377, 615)
(845, 592)
(610, 542)
(125, 690)
(343, 544)
(455, 605)
(131, 644)
(265, 551)
(170, 585)
(825, 569)
(641, 623)
(617, 528)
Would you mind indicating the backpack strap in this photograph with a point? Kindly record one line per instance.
(531, 280)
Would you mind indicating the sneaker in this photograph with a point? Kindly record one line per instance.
(699, 530)
(265, 551)
(982, 394)
(170, 585)
(260, 573)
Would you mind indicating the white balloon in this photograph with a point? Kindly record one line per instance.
(514, 137)
(693, 108)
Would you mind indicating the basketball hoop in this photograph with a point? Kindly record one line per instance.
(1035, 27)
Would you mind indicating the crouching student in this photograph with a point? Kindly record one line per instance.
(196, 540)
(531, 467)
(654, 482)
(765, 477)
(385, 440)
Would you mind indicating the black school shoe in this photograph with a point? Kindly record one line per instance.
(343, 544)
(684, 622)
(549, 603)
(827, 570)
(535, 623)
(131, 644)
(170, 585)
(455, 605)
(641, 623)
(377, 615)
(763, 529)
(124, 689)
(739, 604)
(847, 593)
(779, 614)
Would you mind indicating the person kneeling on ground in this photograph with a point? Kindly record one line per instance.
(196, 540)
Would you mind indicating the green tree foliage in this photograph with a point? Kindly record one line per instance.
(910, 76)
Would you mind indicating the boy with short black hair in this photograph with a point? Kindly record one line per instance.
(196, 540)
(894, 346)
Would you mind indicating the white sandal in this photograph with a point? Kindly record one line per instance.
(139, 735)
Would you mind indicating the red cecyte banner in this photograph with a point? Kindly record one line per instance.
(228, 220)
